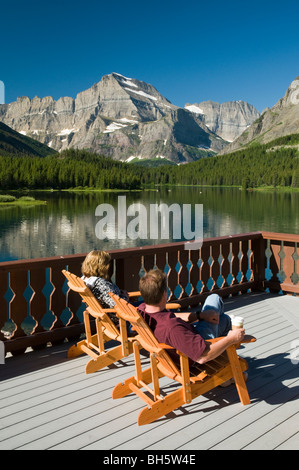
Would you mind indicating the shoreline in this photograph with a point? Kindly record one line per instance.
(149, 188)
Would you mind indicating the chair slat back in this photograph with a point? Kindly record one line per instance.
(93, 307)
(146, 337)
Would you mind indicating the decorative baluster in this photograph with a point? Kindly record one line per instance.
(149, 262)
(179, 290)
(295, 256)
(184, 272)
(244, 260)
(38, 304)
(161, 261)
(194, 271)
(215, 267)
(57, 297)
(205, 267)
(18, 305)
(281, 254)
(235, 261)
(287, 266)
(249, 273)
(275, 262)
(172, 276)
(225, 264)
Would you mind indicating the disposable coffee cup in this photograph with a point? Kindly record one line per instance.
(237, 322)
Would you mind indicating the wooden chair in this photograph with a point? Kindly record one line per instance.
(194, 382)
(95, 344)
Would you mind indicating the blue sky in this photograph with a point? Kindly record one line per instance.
(191, 51)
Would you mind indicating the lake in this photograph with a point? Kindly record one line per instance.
(67, 223)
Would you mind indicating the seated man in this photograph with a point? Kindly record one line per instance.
(185, 337)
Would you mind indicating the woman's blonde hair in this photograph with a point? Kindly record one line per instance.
(96, 263)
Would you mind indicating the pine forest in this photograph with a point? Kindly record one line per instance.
(275, 164)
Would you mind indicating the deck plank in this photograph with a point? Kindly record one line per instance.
(48, 402)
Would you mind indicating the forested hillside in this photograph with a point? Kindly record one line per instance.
(69, 169)
(274, 164)
(13, 143)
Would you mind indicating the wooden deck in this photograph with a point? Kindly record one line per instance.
(48, 402)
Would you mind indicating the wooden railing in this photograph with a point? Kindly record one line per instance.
(38, 308)
(281, 262)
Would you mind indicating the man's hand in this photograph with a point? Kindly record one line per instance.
(236, 336)
(211, 316)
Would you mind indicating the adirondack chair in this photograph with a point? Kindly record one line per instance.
(95, 344)
(193, 382)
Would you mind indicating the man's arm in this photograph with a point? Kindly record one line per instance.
(214, 350)
(211, 316)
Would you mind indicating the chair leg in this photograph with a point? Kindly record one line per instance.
(123, 389)
(81, 347)
(238, 375)
(161, 407)
(75, 350)
(98, 361)
(178, 398)
(104, 360)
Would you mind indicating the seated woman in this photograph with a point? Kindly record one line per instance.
(95, 274)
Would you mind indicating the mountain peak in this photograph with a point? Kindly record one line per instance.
(292, 94)
(228, 120)
(119, 117)
(281, 120)
(140, 90)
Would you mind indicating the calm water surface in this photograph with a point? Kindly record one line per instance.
(66, 224)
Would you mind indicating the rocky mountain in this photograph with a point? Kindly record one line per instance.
(118, 117)
(12, 143)
(281, 120)
(228, 120)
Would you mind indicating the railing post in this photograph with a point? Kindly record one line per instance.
(283, 259)
(259, 263)
(127, 272)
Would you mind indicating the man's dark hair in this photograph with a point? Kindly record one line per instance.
(152, 286)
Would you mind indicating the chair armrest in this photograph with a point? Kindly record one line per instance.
(172, 305)
(246, 339)
(135, 293)
(165, 346)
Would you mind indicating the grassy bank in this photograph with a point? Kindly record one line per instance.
(9, 200)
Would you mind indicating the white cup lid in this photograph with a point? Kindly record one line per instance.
(237, 320)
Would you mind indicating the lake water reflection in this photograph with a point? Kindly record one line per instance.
(66, 224)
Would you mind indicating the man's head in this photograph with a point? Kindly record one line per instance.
(152, 286)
